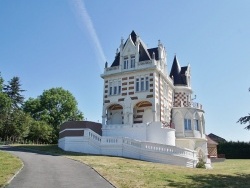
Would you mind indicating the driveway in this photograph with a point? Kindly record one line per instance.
(51, 171)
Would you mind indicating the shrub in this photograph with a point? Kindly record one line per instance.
(200, 164)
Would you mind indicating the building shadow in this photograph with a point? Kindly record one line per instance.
(214, 181)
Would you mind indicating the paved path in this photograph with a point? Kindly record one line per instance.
(48, 171)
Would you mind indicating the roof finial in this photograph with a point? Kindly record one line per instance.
(121, 45)
(159, 42)
(122, 40)
(106, 64)
(153, 55)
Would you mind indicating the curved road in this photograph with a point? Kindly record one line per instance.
(51, 171)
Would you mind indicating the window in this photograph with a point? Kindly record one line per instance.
(196, 125)
(132, 61)
(142, 83)
(137, 84)
(110, 90)
(187, 124)
(115, 87)
(125, 63)
(147, 84)
(119, 87)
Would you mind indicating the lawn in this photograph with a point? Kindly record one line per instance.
(9, 165)
(126, 173)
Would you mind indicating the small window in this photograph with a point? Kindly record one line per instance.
(110, 90)
(115, 90)
(142, 84)
(125, 63)
(119, 89)
(137, 84)
(187, 124)
(132, 61)
(196, 126)
(147, 84)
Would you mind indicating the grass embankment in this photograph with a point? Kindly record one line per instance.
(9, 165)
(127, 173)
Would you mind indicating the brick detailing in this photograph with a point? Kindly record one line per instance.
(71, 133)
(142, 110)
(141, 107)
(137, 121)
(96, 127)
(179, 99)
(134, 98)
(150, 96)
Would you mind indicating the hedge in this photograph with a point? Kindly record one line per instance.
(235, 150)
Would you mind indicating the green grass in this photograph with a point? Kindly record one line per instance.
(9, 165)
(126, 173)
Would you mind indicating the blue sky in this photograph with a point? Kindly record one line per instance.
(65, 43)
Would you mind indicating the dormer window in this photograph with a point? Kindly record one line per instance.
(132, 62)
(125, 63)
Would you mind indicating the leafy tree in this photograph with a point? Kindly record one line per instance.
(1, 82)
(13, 90)
(5, 108)
(54, 107)
(245, 119)
(40, 131)
(16, 125)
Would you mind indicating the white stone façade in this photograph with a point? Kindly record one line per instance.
(145, 104)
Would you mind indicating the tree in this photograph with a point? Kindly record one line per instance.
(13, 90)
(5, 109)
(54, 107)
(40, 131)
(245, 119)
(1, 82)
(16, 125)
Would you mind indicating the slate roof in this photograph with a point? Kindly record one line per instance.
(211, 141)
(144, 53)
(153, 50)
(178, 73)
(216, 138)
(116, 61)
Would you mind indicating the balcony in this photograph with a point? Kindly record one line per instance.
(188, 105)
(138, 66)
